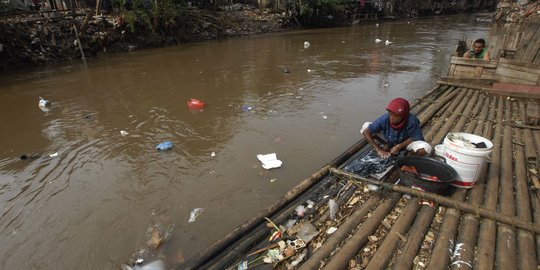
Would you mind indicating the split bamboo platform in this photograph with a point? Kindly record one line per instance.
(495, 225)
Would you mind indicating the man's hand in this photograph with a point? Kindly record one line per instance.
(383, 154)
(395, 149)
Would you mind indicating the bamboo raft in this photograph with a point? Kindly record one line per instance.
(496, 224)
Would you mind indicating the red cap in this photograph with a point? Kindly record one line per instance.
(399, 106)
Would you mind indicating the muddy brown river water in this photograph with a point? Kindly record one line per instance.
(86, 196)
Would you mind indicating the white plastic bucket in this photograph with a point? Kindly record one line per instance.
(469, 162)
(439, 150)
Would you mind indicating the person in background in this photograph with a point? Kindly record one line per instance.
(401, 131)
(479, 51)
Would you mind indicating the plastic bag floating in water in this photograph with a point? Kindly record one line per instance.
(164, 146)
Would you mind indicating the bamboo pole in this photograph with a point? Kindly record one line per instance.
(525, 240)
(463, 254)
(506, 237)
(391, 241)
(449, 202)
(437, 125)
(404, 261)
(341, 234)
(485, 256)
(241, 230)
(536, 199)
(447, 233)
(530, 153)
(427, 114)
(470, 104)
(429, 98)
(360, 237)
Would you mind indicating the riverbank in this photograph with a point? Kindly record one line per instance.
(47, 38)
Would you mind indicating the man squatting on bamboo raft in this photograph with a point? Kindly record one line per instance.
(401, 130)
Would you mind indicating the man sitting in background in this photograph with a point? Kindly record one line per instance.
(479, 51)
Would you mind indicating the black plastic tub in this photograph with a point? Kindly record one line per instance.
(430, 166)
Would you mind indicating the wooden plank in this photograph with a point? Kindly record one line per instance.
(465, 74)
(518, 65)
(452, 70)
(489, 72)
(537, 58)
(532, 48)
(473, 62)
(478, 72)
(515, 80)
(503, 72)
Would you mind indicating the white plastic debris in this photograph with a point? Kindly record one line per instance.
(269, 161)
(331, 230)
(194, 214)
(387, 42)
(123, 132)
(306, 44)
(43, 102)
(372, 187)
(53, 154)
(298, 260)
(243, 265)
(273, 180)
(377, 40)
(377, 24)
(213, 154)
(300, 210)
(309, 70)
(332, 208)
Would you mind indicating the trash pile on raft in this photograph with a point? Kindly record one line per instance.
(306, 230)
(512, 12)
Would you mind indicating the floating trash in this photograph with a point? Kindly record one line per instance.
(123, 132)
(163, 146)
(43, 103)
(194, 214)
(246, 108)
(387, 42)
(377, 40)
(306, 44)
(269, 161)
(195, 104)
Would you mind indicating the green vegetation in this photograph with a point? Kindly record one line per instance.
(4, 6)
(149, 15)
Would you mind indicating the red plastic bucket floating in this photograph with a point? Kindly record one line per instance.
(195, 104)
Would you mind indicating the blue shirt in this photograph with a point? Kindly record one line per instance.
(410, 130)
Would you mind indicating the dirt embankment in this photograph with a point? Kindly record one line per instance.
(39, 39)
